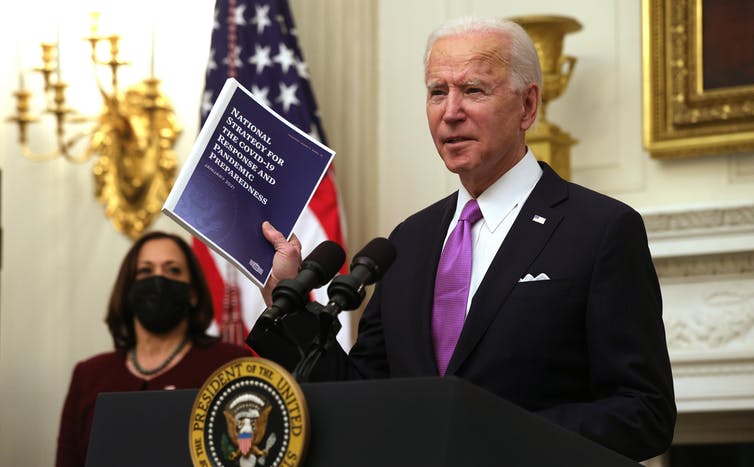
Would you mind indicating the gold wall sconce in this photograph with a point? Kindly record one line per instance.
(132, 137)
(547, 140)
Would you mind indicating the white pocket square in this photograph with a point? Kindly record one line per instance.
(540, 277)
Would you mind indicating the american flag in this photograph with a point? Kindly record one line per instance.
(255, 42)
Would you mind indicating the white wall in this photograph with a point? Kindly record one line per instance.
(60, 254)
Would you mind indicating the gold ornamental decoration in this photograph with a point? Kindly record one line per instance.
(136, 166)
(698, 86)
(548, 142)
(132, 137)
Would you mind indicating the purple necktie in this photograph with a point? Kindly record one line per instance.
(452, 286)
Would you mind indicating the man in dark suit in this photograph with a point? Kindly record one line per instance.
(561, 310)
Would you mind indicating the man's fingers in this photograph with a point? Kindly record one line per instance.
(273, 235)
(288, 248)
(295, 242)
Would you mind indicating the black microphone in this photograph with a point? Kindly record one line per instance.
(346, 292)
(315, 271)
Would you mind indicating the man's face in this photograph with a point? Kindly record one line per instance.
(476, 119)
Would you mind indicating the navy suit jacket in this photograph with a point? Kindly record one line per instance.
(585, 349)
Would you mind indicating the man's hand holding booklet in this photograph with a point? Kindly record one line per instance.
(248, 165)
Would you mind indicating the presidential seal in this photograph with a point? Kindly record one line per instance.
(250, 412)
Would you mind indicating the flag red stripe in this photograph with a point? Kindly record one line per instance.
(214, 278)
(324, 205)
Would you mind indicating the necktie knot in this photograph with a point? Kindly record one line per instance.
(471, 212)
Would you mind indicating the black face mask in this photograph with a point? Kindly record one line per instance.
(159, 303)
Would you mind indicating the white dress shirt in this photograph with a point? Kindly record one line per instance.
(500, 204)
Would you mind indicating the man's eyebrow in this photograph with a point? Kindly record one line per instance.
(473, 83)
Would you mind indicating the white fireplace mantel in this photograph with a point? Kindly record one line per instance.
(705, 261)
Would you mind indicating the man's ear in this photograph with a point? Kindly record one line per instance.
(530, 97)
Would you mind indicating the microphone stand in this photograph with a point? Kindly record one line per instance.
(280, 328)
(346, 292)
(329, 325)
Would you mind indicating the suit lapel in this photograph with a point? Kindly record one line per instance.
(519, 249)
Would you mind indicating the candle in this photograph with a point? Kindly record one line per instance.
(21, 80)
(57, 51)
(94, 27)
(151, 59)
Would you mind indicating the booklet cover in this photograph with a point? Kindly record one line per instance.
(248, 165)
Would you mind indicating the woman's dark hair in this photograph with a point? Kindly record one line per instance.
(120, 320)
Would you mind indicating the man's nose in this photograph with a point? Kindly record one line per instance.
(454, 110)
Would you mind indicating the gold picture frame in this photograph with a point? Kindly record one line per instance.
(684, 115)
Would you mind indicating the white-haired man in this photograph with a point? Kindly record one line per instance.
(560, 310)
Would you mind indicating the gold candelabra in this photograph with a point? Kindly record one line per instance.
(133, 136)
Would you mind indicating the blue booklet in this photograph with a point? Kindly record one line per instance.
(248, 165)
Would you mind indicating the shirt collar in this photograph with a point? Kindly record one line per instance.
(508, 191)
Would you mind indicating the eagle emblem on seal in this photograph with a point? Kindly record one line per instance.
(246, 418)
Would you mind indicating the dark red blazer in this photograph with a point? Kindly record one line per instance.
(107, 372)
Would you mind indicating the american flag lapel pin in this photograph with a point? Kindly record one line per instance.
(538, 219)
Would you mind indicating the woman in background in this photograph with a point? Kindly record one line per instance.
(160, 308)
